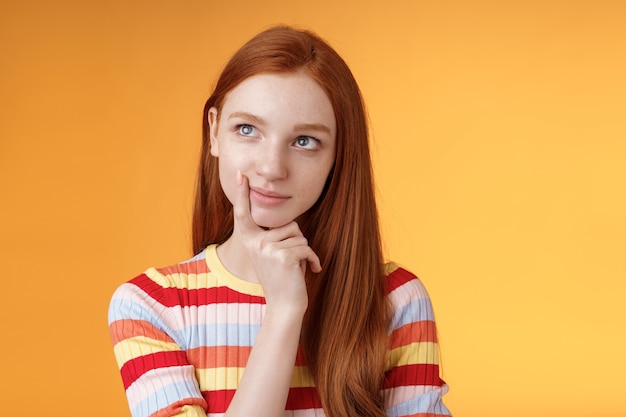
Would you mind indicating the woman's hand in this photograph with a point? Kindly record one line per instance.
(279, 256)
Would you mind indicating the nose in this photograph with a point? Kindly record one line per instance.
(271, 162)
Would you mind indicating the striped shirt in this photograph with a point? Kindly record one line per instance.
(182, 336)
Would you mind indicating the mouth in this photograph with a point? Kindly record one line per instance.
(267, 197)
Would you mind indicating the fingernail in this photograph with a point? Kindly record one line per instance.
(239, 178)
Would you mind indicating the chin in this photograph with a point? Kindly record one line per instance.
(270, 223)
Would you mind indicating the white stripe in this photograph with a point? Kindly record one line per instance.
(155, 379)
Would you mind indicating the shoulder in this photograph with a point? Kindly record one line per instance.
(158, 288)
(189, 274)
(407, 296)
(402, 283)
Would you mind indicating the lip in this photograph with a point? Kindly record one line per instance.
(267, 197)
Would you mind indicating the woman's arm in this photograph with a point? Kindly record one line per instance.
(279, 258)
(265, 383)
(413, 386)
(155, 372)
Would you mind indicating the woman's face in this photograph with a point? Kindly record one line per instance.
(279, 130)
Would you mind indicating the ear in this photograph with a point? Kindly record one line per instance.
(212, 116)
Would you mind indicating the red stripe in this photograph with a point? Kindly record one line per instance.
(196, 267)
(172, 297)
(398, 278)
(205, 357)
(135, 368)
(407, 375)
(177, 407)
(297, 399)
(420, 331)
(303, 398)
(300, 356)
(218, 401)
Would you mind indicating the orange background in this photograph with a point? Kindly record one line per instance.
(500, 154)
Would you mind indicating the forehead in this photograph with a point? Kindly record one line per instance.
(295, 96)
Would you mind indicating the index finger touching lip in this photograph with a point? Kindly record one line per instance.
(241, 206)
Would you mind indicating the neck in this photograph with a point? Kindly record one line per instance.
(232, 254)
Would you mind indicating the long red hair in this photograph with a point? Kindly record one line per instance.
(345, 328)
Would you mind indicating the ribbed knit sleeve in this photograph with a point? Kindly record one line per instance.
(146, 338)
(412, 385)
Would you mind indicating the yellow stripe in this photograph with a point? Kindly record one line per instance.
(228, 378)
(219, 378)
(135, 347)
(414, 353)
(219, 277)
(226, 278)
(182, 281)
(301, 377)
(390, 267)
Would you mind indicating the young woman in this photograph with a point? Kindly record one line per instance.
(288, 308)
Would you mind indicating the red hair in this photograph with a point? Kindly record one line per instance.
(345, 328)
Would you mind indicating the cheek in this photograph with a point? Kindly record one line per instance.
(228, 177)
(316, 187)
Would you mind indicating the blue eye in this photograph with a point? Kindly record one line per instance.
(245, 130)
(307, 142)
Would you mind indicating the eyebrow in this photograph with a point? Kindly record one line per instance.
(248, 116)
(319, 127)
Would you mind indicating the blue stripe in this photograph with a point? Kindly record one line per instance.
(429, 402)
(120, 309)
(198, 257)
(221, 334)
(417, 310)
